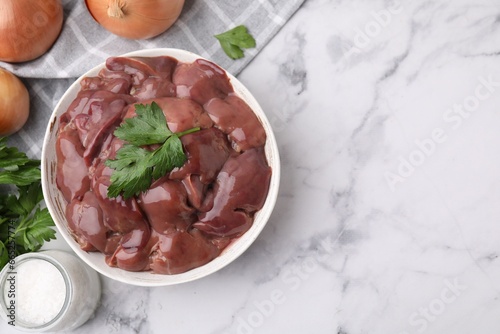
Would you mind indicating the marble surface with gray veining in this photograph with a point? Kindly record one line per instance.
(387, 117)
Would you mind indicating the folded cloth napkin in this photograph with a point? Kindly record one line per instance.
(83, 44)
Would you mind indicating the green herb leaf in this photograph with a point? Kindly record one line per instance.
(29, 197)
(132, 171)
(168, 156)
(234, 40)
(24, 225)
(10, 156)
(15, 167)
(150, 127)
(36, 230)
(4, 254)
(135, 167)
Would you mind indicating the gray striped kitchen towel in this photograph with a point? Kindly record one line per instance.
(83, 44)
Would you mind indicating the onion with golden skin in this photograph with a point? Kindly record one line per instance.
(14, 103)
(28, 28)
(135, 19)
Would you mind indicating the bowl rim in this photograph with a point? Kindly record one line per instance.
(147, 278)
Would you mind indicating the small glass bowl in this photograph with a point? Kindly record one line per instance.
(82, 292)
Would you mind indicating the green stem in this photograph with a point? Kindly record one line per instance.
(180, 134)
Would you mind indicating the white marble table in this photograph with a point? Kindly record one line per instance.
(387, 116)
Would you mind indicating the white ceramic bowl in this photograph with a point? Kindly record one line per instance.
(56, 204)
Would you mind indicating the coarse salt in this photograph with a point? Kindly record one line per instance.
(41, 292)
(48, 291)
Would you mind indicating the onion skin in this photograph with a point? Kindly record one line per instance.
(135, 19)
(14, 103)
(28, 28)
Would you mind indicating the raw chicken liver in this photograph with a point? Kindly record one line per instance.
(188, 216)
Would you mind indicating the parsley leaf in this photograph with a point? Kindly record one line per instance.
(27, 200)
(234, 40)
(169, 154)
(135, 166)
(34, 231)
(15, 167)
(24, 224)
(147, 129)
(132, 171)
(4, 254)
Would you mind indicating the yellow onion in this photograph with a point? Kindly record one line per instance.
(135, 19)
(14, 103)
(28, 28)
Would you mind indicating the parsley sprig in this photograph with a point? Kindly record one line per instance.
(235, 40)
(24, 224)
(135, 166)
